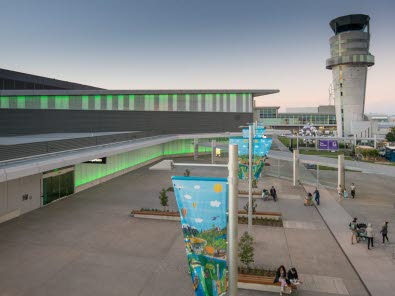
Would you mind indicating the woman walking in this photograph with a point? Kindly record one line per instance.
(353, 190)
(340, 192)
(384, 232)
(369, 235)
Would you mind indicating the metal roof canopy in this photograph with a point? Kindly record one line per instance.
(43, 92)
(31, 78)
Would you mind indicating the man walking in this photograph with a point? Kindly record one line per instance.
(317, 196)
(353, 190)
(273, 193)
(384, 232)
(354, 230)
(369, 235)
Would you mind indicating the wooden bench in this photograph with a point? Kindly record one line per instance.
(260, 283)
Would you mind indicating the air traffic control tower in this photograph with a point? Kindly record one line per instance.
(349, 62)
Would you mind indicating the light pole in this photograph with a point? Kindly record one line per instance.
(250, 179)
(233, 180)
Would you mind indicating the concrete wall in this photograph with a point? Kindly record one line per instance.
(12, 203)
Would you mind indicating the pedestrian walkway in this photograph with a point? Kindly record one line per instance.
(376, 267)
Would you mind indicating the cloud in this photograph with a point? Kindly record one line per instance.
(215, 203)
(197, 187)
(198, 220)
(187, 196)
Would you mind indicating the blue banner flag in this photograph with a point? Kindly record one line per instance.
(259, 132)
(245, 132)
(203, 204)
(262, 146)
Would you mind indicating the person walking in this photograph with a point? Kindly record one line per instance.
(308, 199)
(317, 196)
(354, 229)
(340, 192)
(345, 193)
(273, 193)
(369, 235)
(353, 190)
(384, 231)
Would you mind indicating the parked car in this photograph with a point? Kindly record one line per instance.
(310, 166)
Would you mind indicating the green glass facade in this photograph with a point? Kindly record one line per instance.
(217, 102)
(85, 172)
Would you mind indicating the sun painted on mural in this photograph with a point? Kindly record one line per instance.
(202, 204)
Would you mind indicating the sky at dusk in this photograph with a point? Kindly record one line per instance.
(180, 44)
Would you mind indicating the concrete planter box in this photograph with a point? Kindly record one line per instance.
(175, 216)
(255, 194)
(267, 215)
(158, 215)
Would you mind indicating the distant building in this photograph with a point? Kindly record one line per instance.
(294, 118)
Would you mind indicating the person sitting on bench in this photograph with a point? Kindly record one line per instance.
(293, 276)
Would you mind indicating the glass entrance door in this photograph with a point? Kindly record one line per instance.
(58, 186)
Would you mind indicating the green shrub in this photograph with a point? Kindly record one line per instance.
(246, 249)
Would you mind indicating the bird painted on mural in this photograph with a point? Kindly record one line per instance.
(214, 218)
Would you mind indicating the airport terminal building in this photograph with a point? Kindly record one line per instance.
(58, 137)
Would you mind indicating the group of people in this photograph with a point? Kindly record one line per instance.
(309, 198)
(356, 230)
(342, 192)
(273, 193)
(286, 279)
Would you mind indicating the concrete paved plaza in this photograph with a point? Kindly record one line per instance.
(88, 244)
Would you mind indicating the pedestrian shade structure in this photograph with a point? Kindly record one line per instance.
(203, 204)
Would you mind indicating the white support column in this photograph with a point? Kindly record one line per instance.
(297, 141)
(375, 141)
(250, 135)
(340, 171)
(213, 150)
(296, 168)
(233, 219)
(195, 149)
(318, 175)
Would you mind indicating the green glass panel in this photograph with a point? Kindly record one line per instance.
(85, 102)
(175, 99)
(109, 102)
(187, 102)
(61, 102)
(120, 102)
(209, 102)
(199, 102)
(163, 103)
(21, 102)
(4, 102)
(97, 102)
(44, 102)
(131, 102)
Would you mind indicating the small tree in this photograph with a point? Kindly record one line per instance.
(187, 173)
(164, 199)
(246, 249)
(390, 136)
(254, 205)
